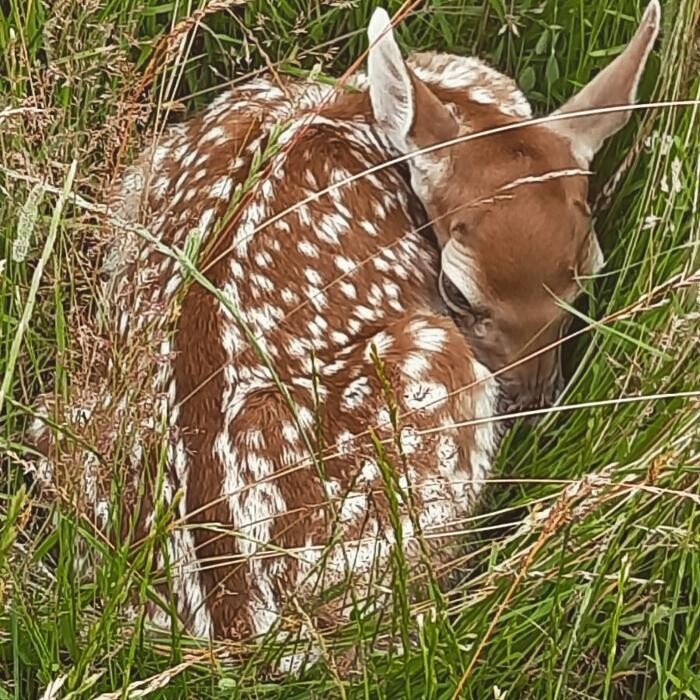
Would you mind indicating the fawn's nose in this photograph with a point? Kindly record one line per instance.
(532, 394)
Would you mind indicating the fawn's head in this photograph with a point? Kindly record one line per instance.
(510, 209)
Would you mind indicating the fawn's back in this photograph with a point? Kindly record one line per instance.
(277, 430)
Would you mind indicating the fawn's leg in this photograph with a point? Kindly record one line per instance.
(308, 494)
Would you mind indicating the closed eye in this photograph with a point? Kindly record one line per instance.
(455, 300)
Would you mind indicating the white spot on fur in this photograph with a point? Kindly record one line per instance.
(305, 418)
(334, 367)
(263, 258)
(102, 512)
(261, 281)
(299, 347)
(214, 134)
(304, 215)
(354, 507)
(447, 454)
(482, 95)
(365, 313)
(254, 439)
(355, 394)
(425, 395)
(340, 338)
(369, 227)
(429, 338)
(307, 248)
(415, 366)
(290, 433)
(384, 418)
(313, 277)
(369, 471)
(205, 220)
(381, 264)
(349, 289)
(383, 343)
(289, 296)
(410, 440)
(330, 227)
(237, 270)
(344, 442)
(317, 298)
(266, 189)
(375, 296)
(221, 189)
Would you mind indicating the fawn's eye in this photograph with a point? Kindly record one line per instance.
(476, 317)
(454, 299)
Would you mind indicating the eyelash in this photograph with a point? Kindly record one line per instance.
(464, 307)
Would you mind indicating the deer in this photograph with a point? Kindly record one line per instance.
(385, 288)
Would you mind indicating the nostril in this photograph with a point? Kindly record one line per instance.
(556, 391)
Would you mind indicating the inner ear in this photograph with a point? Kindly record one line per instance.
(433, 123)
(404, 107)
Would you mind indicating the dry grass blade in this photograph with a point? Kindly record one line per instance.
(36, 280)
(148, 686)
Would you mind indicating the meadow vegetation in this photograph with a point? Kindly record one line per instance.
(583, 578)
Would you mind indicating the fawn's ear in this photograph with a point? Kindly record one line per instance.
(404, 107)
(615, 85)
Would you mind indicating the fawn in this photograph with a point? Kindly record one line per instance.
(344, 368)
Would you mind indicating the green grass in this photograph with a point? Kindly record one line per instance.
(585, 566)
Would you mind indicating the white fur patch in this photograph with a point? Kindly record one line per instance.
(355, 394)
(461, 269)
(425, 395)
